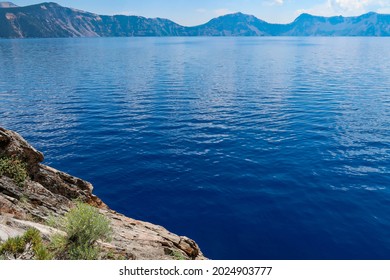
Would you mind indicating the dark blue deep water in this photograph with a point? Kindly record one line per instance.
(257, 148)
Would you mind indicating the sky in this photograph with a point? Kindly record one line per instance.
(195, 12)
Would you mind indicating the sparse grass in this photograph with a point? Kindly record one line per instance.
(18, 245)
(109, 255)
(83, 252)
(13, 168)
(58, 245)
(14, 246)
(53, 221)
(24, 199)
(32, 235)
(113, 255)
(42, 253)
(177, 255)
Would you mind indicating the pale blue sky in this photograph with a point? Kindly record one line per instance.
(200, 11)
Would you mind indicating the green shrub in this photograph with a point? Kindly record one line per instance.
(52, 221)
(42, 253)
(58, 246)
(14, 246)
(84, 226)
(17, 245)
(13, 168)
(32, 235)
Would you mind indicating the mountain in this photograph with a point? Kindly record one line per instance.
(127, 26)
(46, 20)
(232, 25)
(370, 24)
(52, 20)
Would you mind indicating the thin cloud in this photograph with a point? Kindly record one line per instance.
(222, 12)
(126, 13)
(324, 9)
(201, 11)
(384, 10)
(350, 5)
(270, 3)
(345, 7)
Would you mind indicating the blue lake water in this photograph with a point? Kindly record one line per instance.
(256, 148)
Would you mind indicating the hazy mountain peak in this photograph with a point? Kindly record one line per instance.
(236, 18)
(371, 13)
(368, 15)
(50, 4)
(237, 15)
(304, 16)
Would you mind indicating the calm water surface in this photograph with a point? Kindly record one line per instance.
(257, 148)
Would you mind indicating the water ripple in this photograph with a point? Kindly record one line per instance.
(257, 148)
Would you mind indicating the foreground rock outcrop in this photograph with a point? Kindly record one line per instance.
(48, 193)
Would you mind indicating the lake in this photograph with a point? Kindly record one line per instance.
(256, 148)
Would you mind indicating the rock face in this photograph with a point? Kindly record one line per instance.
(50, 193)
(237, 24)
(370, 24)
(50, 20)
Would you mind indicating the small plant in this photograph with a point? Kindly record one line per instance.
(42, 253)
(84, 226)
(83, 252)
(177, 255)
(57, 246)
(14, 246)
(32, 235)
(13, 168)
(18, 245)
(24, 199)
(52, 221)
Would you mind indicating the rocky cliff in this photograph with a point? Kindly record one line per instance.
(46, 193)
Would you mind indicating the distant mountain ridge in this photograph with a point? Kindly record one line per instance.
(50, 20)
